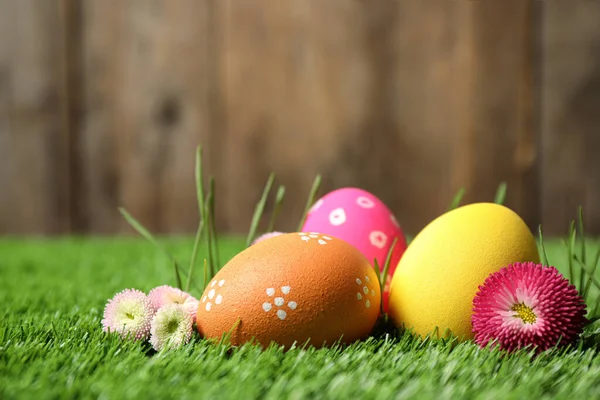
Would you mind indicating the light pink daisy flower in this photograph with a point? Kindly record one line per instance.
(128, 313)
(163, 295)
(171, 327)
(266, 236)
(527, 304)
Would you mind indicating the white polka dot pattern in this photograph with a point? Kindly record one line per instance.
(279, 302)
(378, 239)
(212, 294)
(366, 290)
(365, 202)
(337, 217)
(307, 237)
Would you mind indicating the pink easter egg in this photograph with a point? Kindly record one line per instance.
(363, 220)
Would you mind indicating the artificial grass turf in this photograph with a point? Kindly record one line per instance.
(52, 345)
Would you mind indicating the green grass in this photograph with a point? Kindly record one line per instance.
(51, 344)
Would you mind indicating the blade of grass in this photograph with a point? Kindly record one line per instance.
(278, 201)
(386, 267)
(259, 209)
(194, 255)
(205, 274)
(593, 278)
(143, 231)
(226, 337)
(201, 213)
(202, 198)
(500, 194)
(543, 248)
(210, 238)
(595, 282)
(200, 183)
(583, 255)
(597, 308)
(213, 224)
(456, 200)
(177, 275)
(589, 281)
(148, 236)
(571, 239)
(310, 201)
(197, 241)
(376, 268)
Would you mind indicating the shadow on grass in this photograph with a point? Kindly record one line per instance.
(590, 339)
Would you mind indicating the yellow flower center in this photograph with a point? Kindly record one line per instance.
(172, 326)
(525, 313)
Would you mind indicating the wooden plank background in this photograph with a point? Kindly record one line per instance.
(103, 102)
(571, 123)
(34, 184)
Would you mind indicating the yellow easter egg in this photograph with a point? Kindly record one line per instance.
(432, 290)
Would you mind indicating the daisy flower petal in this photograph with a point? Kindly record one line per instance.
(163, 295)
(128, 313)
(527, 304)
(171, 327)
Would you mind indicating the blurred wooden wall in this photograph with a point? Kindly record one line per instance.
(102, 104)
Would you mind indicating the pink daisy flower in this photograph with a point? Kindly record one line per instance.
(163, 295)
(128, 313)
(171, 327)
(527, 304)
(266, 236)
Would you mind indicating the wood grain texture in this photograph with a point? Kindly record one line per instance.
(293, 87)
(571, 100)
(410, 100)
(313, 87)
(34, 193)
(97, 90)
(146, 101)
(425, 95)
(499, 142)
(102, 104)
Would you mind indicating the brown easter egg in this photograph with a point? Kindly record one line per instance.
(295, 288)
